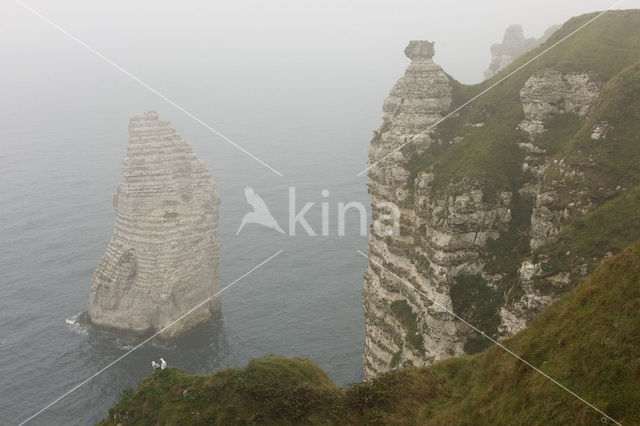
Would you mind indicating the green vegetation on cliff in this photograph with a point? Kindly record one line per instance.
(607, 230)
(409, 320)
(593, 183)
(589, 341)
(608, 47)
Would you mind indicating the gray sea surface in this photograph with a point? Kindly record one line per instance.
(62, 142)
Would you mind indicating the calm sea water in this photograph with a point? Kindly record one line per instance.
(61, 150)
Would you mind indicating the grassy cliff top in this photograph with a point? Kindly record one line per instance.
(594, 184)
(609, 48)
(589, 341)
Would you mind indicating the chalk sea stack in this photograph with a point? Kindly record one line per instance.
(162, 259)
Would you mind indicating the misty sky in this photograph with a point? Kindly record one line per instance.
(279, 35)
(228, 59)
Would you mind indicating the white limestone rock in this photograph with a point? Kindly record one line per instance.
(544, 96)
(599, 131)
(555, 92)
(162, 259)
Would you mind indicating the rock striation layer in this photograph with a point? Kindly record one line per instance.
(513, 45)
(162, 259)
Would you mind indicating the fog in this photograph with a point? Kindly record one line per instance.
(282, 37)
(304, 40)
(240, 47)
(229, 58)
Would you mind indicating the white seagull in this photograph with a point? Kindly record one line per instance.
(260, 214)
(155, 365)
(163, 364)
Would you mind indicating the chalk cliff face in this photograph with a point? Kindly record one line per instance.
(543, 97)
(419, 99)
(162, 259)
(460, 240)
(513, 45)
(557, 191)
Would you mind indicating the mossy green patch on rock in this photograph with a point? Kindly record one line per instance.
(126, 257)
(477, 303)
(395, 359)
(409, 320)
(605, 231)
